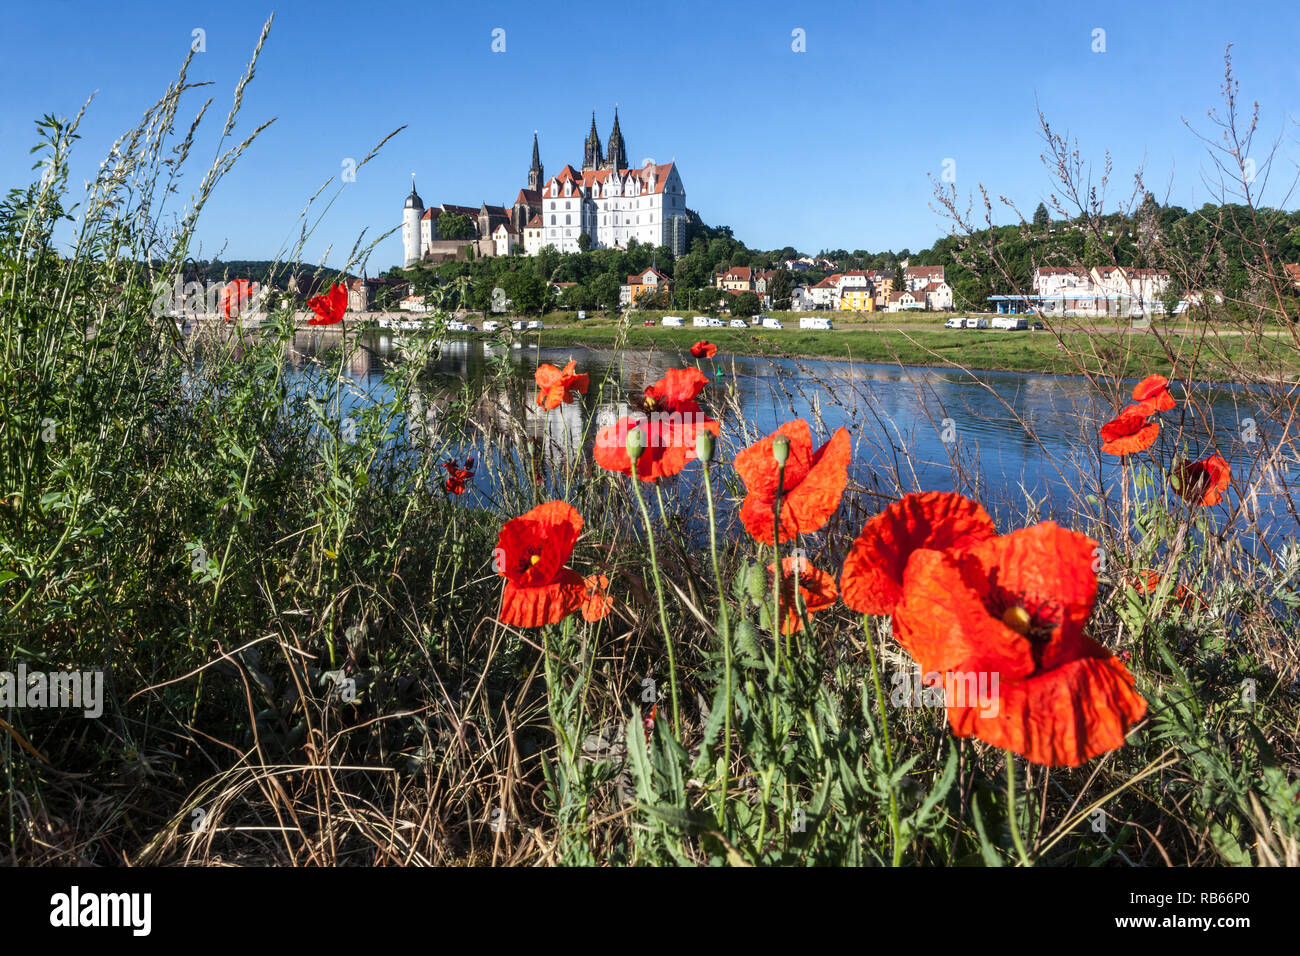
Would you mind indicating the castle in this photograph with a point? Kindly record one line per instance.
(607, 201)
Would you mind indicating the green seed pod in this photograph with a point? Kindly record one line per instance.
(740, 584)
(756, 583)
(704, 446)
(781, 449)
(635, 443)
(746, 639)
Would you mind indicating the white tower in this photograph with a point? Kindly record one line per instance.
(411, 225)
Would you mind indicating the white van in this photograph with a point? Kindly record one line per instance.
(673, 320)
(1011, 322)
(534, 325)
(977, 323)
(813, 322)
(491, 326)
(700, 321)
(738, 324)
(517, 326)
(955, 323)
(772, 324)
(582, 314)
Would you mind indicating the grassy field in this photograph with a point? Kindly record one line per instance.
(1225, 357)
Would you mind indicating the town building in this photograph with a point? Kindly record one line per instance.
(645, 283)
(609, 202)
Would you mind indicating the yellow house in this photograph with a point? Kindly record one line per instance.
(857, 300)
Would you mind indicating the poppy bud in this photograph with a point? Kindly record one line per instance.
(780, 449)
(704, 445)
(635, 444)
(756, 583)
(747, 639)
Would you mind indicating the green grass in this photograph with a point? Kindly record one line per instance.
(1224, 357)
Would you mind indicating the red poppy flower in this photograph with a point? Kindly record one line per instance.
(813, 484)
(648, 724)
(1147, 581)
(1154, 391)
(455, 483)
(556, 386)
(704, 350)
(939, 521)
(329, 308)
(1202, 482)
(1129, 431)
(237, 294)
(596, 602)
(669, 427)
(531, 552)
(1012, 609)
(817, 589)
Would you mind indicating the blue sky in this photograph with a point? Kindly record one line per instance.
(827, 148)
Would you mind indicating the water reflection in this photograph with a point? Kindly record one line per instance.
(1017, 441)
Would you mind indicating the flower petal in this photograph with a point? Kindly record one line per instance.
(872, 580)
(539, 606)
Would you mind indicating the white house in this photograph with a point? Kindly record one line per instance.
(824, 293)
(905, 300)
(801, 299)
(533, 236)
(918, 277)
(506, 238)
(939, 295)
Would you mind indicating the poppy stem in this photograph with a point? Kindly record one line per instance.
(894, 824)
(726, 644)
(1013, 818)
(659, 595)
(776, 563)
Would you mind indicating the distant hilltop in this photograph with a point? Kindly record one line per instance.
(607, 202)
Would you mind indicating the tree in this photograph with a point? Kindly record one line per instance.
(454, 225)
(778, 288)
(578, 297)
(1041, 219)
(584, 241)
(745, 305)
(900, 280)
(526, 291)
(605, 290)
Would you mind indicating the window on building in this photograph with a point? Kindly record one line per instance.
(553, 223)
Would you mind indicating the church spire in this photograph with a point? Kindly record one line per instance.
(592, 157)
(536, 176)
(616, 158)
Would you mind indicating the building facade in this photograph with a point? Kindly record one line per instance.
(607, 201)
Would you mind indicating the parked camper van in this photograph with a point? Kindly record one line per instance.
(813, 322)
(770, 323)
(491, 325)
(738, 324)
(1011, 322)
(956, 322)
(704, 322)
(673, 320)
(977, 323)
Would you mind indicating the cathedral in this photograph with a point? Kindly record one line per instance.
(608, 201)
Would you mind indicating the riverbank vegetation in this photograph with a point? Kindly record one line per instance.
(336, 629)
(1228, 356)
